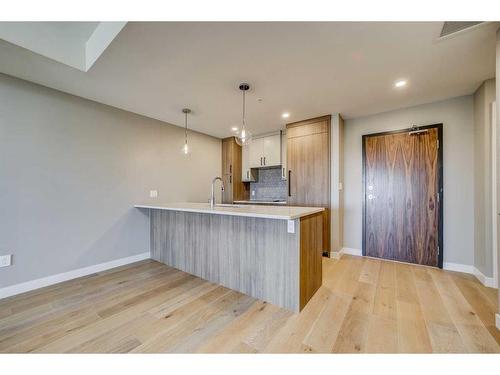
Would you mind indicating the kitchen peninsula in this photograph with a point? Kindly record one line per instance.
(268, 252)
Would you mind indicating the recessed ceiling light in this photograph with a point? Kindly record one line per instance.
(400, 83)
(234, 129)
(285, 115)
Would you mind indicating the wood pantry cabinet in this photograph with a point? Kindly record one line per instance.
(234, 188)
(283, 156)
(308, 163)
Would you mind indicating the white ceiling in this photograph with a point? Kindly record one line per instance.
(76, 44)
(307, 69)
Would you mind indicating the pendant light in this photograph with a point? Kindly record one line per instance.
(244, 137)
(185, 148)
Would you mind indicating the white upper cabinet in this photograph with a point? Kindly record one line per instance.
(256, 153)
(264, 151)
(271, 150)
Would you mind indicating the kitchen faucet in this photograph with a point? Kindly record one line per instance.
(212, 197)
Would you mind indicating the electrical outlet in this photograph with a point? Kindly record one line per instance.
(5, 260)
(153, 193)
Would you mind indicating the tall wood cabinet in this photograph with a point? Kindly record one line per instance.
(235, 189)
(308, 164)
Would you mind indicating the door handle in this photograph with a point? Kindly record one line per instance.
(289, 183)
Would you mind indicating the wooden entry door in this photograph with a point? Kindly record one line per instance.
(402, 183)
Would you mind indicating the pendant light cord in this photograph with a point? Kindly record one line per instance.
(186, 129)
(243, 109)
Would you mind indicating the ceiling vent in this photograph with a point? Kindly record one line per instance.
(451, 28)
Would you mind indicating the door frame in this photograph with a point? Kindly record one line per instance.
(439, 127)
(495, 145)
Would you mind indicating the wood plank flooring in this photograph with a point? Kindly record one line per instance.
(364, 306)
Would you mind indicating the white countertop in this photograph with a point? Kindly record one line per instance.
(277, 203)
(266, 212)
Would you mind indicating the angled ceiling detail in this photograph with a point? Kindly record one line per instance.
(76, 44)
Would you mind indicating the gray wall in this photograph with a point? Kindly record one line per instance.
(70, 172)
(483, 244)
(458, 138)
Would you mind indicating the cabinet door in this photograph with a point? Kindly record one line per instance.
(308, 165)
(255, 153)
(227, 153)
(227, 194)
(272, 150)
(245, 163)
(283, 157)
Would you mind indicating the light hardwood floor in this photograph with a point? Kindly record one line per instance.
(365, 305)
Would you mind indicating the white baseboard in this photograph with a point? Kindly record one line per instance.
(337, 254)
(490, 282)
(457, 267)
(351, 251)
(486, 281)
(54, 279)
(497, 321)
(346, 250)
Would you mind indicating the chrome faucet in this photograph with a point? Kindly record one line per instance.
(212, 197)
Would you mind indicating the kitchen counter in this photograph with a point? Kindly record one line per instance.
(268, 252)
(260, 211)
(263, 202)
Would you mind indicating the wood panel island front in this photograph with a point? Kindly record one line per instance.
(268, 252)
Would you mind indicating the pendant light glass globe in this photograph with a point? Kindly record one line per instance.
(244, 137)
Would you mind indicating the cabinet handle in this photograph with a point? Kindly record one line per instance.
(289, 183)
(261, 160)
(283, 173)
(248, 177)
(230, 179)
(264, 160)
(230, 168)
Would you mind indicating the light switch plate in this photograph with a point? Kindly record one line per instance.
(5, 260)
(153, 193)
(291, 226)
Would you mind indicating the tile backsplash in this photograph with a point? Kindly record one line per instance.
(269, 186)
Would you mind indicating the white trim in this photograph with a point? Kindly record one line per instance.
(351, 251)
(494, 198)
(65, 276)
(346, 250)
(486, 281)
(497, 321)
(457, 267)
(464, 268)
(337, 254)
